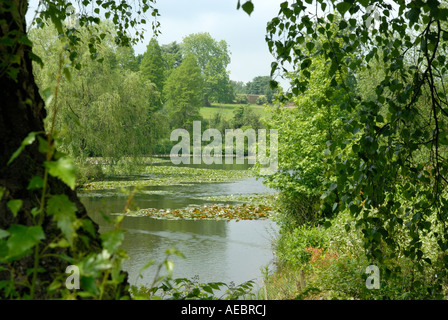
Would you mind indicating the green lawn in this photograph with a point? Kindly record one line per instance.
(227, 110)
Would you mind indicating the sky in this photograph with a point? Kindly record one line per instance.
(245, 35)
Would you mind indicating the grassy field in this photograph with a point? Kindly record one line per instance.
(227, 110)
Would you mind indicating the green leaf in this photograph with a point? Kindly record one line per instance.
(305, 63)
(14, 206)
(364, 3)
(35, 211)
(64, 213)
(310, 46)
(208, 289)
(343, 7)
(63, 243)
(335, 205)
(23, 238)
(64, 169)
(413, 15)
(89, 284)
(26, 142)
(47, 95)
(87, 225)
(67, 74)
(146, 266)
(248, 7)
(3, 233)
(35, 183)
(112, 240)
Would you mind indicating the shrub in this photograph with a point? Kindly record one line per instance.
(292, 246)
(241, 99)
(89, 172)
(297, 209)
(261, 100)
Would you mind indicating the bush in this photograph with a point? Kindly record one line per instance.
(163, 146)
(293, 245)
(261, 100)
(89, 172)
(241, 99)
(318, 263)
(298, 209)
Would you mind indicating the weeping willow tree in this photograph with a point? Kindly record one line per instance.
(105, 108)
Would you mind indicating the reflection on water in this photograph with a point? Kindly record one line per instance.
(214, 250)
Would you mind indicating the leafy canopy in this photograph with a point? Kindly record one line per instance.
(392, 172)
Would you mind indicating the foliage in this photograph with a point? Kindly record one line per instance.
(306, 133)
(336, 268)
(97, 101)
(261, 100)
(241, 99)
(245, 117)
(293, 245)
(261, 85)
(172, 57)
(55, 230)
(100, 271)
(394, 168)
(238, 87)
(212, 57)
(183, 92)
(152, 66)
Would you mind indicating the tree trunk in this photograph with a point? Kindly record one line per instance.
(21, 112)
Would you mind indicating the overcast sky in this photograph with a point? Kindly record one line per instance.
(244, 34)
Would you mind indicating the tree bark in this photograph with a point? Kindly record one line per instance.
(21, 112)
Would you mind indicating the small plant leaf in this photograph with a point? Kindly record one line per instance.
(64, 169)
(23, 238)
(26, 142)
(15, 206)
(64, 213)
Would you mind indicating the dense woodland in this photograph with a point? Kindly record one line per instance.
(363, 168)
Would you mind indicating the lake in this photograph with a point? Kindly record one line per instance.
(225, 251)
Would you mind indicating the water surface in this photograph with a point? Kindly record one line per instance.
(214, 250)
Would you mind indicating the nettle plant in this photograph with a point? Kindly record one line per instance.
(392, 169)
